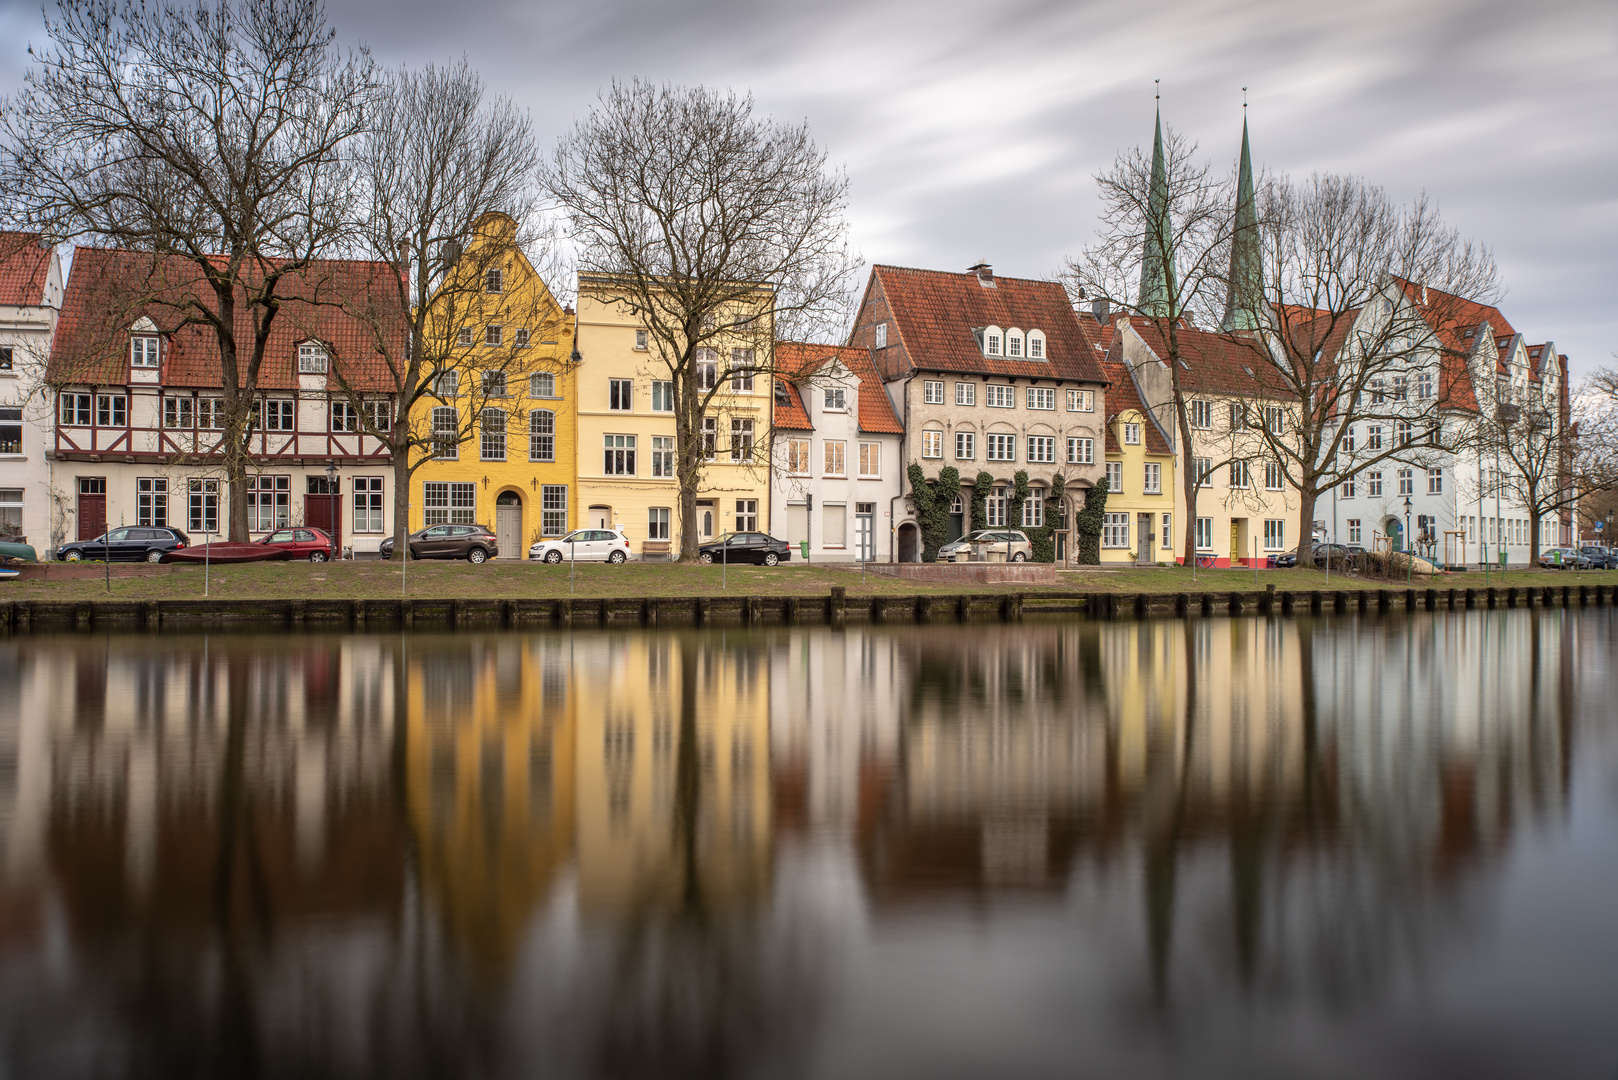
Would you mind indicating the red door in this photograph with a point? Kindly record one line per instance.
(322, 512)
(92, 506)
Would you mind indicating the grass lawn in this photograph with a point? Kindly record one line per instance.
(512, 580)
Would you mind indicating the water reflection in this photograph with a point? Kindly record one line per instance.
(684, 854)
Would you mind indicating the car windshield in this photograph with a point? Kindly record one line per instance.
(577, 536)
(729, 538)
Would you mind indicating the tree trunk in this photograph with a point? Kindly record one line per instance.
(237, 447)
(401, 499)
(1532, 503)
(688, 455)
(1307, 498)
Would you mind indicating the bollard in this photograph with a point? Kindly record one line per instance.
(837, 608)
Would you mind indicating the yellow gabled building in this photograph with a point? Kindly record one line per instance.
(626, 432)
(512, 373)
(1138, 526)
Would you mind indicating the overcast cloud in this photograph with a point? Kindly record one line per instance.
(972, 130)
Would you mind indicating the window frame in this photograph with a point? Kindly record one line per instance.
(1040, 398)
(1081, 450)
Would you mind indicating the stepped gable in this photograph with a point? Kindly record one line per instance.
(799, 361)
(110, 289)
(24, 267)
(1122, 394)
(936, 312)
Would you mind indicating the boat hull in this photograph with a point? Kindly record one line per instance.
(227, 553)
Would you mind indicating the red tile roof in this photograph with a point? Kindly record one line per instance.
(1123, 394)
(110, 289)
(797, 361)
(935, 312)
(24, 266)
(1211, 363)
(1455, 321)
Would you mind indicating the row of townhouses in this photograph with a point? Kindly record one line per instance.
(110, 415)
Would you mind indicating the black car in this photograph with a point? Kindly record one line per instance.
(127, 543)
(474, 543)
(746, 547)
(1601, 558)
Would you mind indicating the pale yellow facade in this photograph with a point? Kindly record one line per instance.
(626, 441)
(1140, 514)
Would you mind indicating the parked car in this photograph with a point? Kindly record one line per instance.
(1012, 542)
(583, 545)
(301, 543)
(745, 547)
(474, 543)
(1283, 560)
(1601, 558)
(129, 543)
(1563, 557)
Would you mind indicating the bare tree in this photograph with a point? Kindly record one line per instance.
(719, 229)
(1354, 316)
(1166, 222)
(206, 136)
(447, 178)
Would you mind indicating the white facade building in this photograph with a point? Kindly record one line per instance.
(836, 462)
(30, 300)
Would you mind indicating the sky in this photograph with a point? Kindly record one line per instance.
(973, 131)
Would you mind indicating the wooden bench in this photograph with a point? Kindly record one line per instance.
(656, 551)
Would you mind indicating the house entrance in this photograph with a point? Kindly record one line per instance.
(1235, 541)
(1145, 552)
(957, 521)
(508, 524)
(909, 550)
(865, 531)
(322, 506)
(599, 517)
(92, 506)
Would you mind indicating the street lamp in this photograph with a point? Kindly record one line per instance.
(1409, 558)
(332, 520)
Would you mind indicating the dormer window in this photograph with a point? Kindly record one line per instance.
(1036, 345)
(143, 351)
(494, 280)
(311, 358)
(992, 338)
(1014, 341)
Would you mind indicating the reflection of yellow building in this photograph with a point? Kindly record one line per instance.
(511, 347)
(648, 768)
(489, 769)
(626, 434)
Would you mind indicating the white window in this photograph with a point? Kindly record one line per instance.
(344, 417)
(1168, 531)
(1081, 451)
(932, 444)
(151, 500)
(1274, 480)
(211, 413)
(641, 340)
(1348, 488)
(1115, 476)
(1407, 482)
(143, 352)
(1379, 393)
(1238, 416)
(493, 335)
(203, 516)
(619, 459)
(1201, 413)
(553, 509)
(177, 412)
(1348, 440)
(965, 446)
(741, 440)
(493, 280)
(494, 384)
(966, 393)
(1036, 345)
(447, 384)
(367, 504)
(1115, 531)
(448, 503)
(1081, 401)
(74, 410)
(1000, 396)
(1041, 449)
(112, 410)
(663, 456)
(741, 371)
(932, 392)
(521, 338)
(269, 502)
(991, 343)
(1373, 484)
(1275, 419)
(994, 509)
(1014, 343)
(1373, 436)
(463, 337)
(746, 515)
(662, 395)
(1033, 511)
(1205, 534)
(378, 415)
(836, 465)
(881, 335)
(1424, 385)
(798, 457)
(1152, 483)
(1353, 530)
(446, 432)
(493, 444)
(1275, 534)
(1401, 388)
(1131, 434)
(1041, 397)
(870, 460)
(620, 395)
(1002, 448)
(836, 399)
(707, 368)
(1204, 468)
(710, 438)
(657, 523)
(1401, 433)
(311, 359)
(1435, 481)
(1238, 474)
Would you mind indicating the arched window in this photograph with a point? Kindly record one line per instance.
(993, 339)
(1014, 343)
(1036, 344)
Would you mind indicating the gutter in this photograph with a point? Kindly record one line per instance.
(904, 471)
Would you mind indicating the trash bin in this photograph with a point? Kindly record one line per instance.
(803, 549)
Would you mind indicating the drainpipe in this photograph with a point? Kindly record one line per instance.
(904, 471)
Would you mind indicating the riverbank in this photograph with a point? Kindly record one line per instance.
(501, 581)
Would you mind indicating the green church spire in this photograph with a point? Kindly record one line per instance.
(1157, 290)
(1246, 291)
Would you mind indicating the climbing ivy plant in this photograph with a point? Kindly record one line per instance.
(933, 499)
(1043, 537)
(982, 486)
(1087, 523)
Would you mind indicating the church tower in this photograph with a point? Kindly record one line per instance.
(1245, 295)
(1157, 287)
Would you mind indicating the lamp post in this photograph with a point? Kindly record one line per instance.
(335, 523)
(1409, 558)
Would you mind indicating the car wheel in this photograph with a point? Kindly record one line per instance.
(706, 557)
(317, 556)
(72, 556)
(1019, 557)
(616, 557)
(553, 556)
(154, 556)
(771, 558)
(477, 555)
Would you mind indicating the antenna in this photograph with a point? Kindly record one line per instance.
(1244, 101)
(1157, 85)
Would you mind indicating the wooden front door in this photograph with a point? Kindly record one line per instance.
(322, 508)
(1235, 541)
(92, 506)
(1145, 555)
(508, 524)
(600, 517)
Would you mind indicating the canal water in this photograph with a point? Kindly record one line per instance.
(1250, 848)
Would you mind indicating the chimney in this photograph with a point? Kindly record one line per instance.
(984, 272)
(1100, 309)
(402, 254)
(1424, 294)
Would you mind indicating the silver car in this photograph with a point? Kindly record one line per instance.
(1012, 543)
(583, 545)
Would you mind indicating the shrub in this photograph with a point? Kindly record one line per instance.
(1087, 523)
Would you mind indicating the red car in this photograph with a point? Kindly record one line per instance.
(302, 543)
